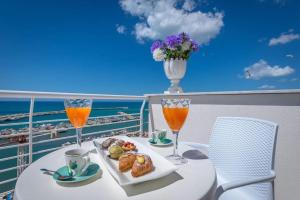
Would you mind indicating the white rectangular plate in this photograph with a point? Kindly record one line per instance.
(162, 166)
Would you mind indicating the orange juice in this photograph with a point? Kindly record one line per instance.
(175, 117)
(78, 116)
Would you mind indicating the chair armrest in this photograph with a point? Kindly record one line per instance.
(240, 183)
(197, 145)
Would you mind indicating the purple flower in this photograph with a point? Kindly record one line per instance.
(184, 37)
(195, 45)
(173, 41)
(156, 44)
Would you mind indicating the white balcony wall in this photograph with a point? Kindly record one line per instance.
(281, 107)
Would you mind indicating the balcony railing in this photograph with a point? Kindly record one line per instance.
(38, 137)
(279, 106)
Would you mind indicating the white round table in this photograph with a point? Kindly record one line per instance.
(194, 180)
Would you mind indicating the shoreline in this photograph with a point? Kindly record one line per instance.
(17, 135)
(17, 116)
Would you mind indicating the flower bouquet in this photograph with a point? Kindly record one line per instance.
(174, 47)
(174, 51)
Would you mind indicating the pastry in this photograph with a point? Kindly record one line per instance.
(128, 146)
(115, 151)
(142, 165)
(126, 161)
(119, 142)
(106, 143)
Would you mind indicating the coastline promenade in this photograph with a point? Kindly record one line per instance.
(17, 116)
(17, 135)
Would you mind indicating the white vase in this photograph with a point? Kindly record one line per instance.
(175, 70)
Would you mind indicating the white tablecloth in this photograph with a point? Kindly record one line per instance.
(194, 180)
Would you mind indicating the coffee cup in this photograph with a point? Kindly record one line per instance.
(77, 160)
(161, 134)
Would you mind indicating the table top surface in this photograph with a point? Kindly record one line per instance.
(193, 180)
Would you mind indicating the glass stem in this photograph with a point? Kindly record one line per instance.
(79, 133)
(175, 151)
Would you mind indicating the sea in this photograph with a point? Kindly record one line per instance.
(99, 108)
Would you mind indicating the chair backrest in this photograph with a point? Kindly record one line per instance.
(242, 148)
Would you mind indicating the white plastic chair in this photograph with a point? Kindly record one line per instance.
(242, 151)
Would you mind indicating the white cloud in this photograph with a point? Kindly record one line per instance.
(189, 5)
(285, 80)
(262, 69)
(289, 55)
(159, 18)
(284, 38)
(262, 39)
(280, 2)
(266, 87)
(121, 29)
(138, 7)
(294, 79)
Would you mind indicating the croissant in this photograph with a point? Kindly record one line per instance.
(142, 165)
(126, 161)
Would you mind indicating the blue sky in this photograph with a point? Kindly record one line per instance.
(96, 47)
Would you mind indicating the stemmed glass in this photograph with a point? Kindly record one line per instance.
(175, 112)
(78, 111)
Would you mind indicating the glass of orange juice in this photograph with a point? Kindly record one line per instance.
(175, 112)
(78, 111)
